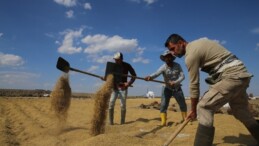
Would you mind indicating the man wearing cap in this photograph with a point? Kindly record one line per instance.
(121, 87)
(173, 76)
(228, 79)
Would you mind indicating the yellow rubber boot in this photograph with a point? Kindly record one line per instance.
(163, 119)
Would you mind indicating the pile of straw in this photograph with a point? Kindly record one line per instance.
(101, 97)
(60, 98)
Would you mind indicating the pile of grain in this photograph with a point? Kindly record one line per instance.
(60, 98)
(101, 103)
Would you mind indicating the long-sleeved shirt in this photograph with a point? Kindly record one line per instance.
(205, 54)
(173, 73)
(125, 69)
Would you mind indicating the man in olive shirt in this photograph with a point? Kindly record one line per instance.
(228, 79)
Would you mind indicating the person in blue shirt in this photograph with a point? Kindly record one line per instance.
(173, 76)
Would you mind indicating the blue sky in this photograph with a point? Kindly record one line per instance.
(34, 33)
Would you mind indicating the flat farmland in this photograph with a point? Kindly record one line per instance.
(30, 121)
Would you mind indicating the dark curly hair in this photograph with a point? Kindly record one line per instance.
(173, 38)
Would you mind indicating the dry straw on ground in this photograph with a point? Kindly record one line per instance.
(101, 102)
(60, 98)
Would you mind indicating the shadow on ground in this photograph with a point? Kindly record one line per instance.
(239, 140)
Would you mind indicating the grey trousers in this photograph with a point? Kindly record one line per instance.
(228, 90)
(122, 94)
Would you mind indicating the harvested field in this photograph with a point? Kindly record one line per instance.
(29, 121)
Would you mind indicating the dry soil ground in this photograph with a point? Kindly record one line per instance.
(29, 122)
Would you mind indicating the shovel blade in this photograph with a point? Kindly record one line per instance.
(115, 69)
(63, 65)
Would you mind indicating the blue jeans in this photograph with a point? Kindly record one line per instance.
(166, 96)
(118, 93)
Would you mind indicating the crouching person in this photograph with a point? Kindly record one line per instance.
(228, 79)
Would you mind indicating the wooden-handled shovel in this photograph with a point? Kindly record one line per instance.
(142, 78)
(64, 66)
(178, 130)
(111, 68)
(116, 70)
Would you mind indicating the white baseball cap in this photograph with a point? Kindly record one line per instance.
(167, 52)
(118, 55)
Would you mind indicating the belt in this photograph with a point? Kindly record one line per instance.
(223, 63)
(174, 89)
(120, 86)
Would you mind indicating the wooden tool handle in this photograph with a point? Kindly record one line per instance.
(94, 75)
(178, 130)
(142, 78)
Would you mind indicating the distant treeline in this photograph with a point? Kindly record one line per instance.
(36, 93)
(24, 93)
(45, 93)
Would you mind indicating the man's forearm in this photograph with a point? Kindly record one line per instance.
(180, 79)
(194, 102)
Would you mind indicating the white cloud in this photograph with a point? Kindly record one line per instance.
(150, 1)
(50, 35)
(23, 80)
(93, 68)
(257, 47)
(67, 44)
(140, 51)
(1, 34)
(70, 14)
(223, 42)
(136, 1)
(140, 59)
(57, 42)
(10, 60)
(256, 30)
(204, 38)
(103, 59)
(99, 47)
(87, 6)
(67, 3)
(100, 58)
(99, 43)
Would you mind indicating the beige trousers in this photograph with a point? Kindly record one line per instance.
(228, 90)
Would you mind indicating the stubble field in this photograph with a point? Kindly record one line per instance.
(30, 121)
